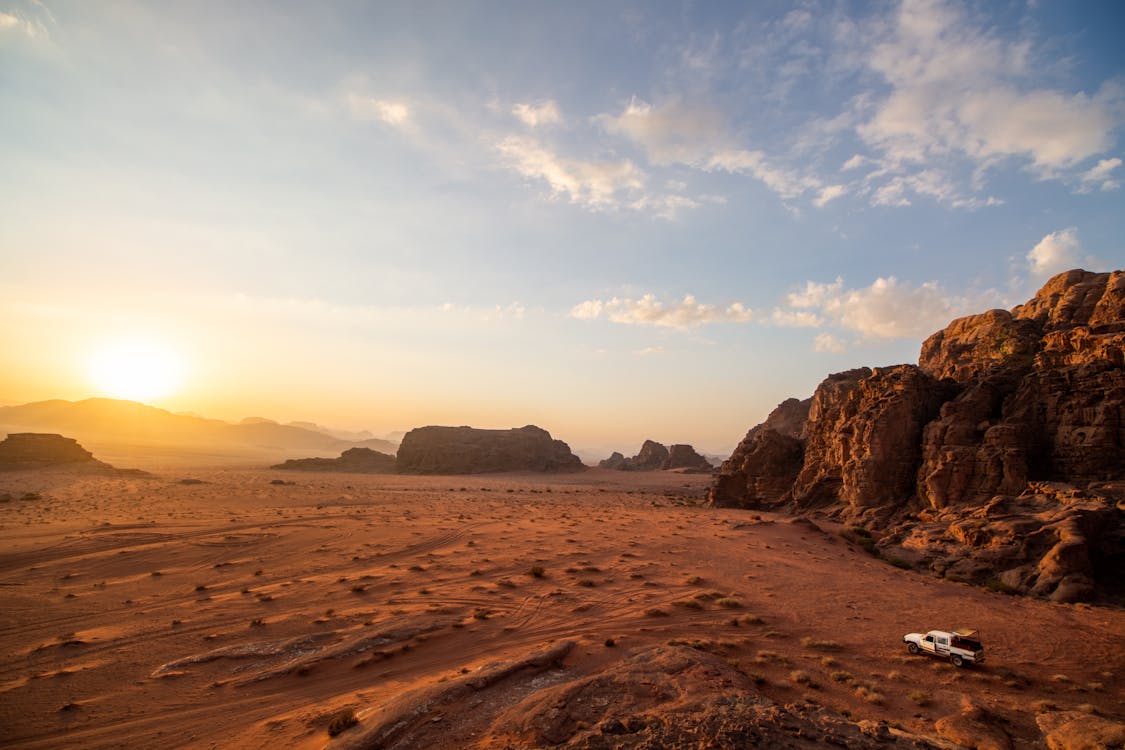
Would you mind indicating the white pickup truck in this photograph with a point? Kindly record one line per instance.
(962, 646)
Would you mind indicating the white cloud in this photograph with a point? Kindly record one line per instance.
(671, 134)
(688, 313)
(392, 112)
(826, 342)
(34, 28)
(955, 91)
(827, 193)
(697, 136)
(650, 350)
(886, 309)
(534, 115)
(1100, 176)
(857, 161)
(815, 294)
(595, 185)
(1058, 251)
(799, 318)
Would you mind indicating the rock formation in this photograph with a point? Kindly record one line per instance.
(467, 450)
(38, 450)
(654, 456)
(353, 460)
(685, 457)
(615, 461)
(997, 459)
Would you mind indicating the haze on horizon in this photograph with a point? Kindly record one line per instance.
(632, 221)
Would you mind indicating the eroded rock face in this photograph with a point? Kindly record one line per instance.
(650, 457)
(615, 461)
(468, 450)
(864, 437)
(685, 457)
(30, 449)
(353, 460)
(1012, 411)
(766, 463)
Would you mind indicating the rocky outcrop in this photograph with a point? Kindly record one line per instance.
(615, 461)
(353, 460)
(654, 456)
(468, 450)
(1018, 415)
(39, 450)
(684, 457)
(650, 457)
(763, 467)
(658, 697)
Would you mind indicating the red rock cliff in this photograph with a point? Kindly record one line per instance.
(1027, 403)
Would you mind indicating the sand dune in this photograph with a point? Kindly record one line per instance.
(240, 612)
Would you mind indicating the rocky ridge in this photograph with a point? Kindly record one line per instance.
(38, 450)
(353, 460)
(999, 458)
(654, 456)
(469, 450)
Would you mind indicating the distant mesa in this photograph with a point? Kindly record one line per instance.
(353, 460)
(469, 450)
(998, 459)
(38, 450)
(654, 456)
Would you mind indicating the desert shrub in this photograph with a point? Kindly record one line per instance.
(749, 619)
(341, 721)
(688, 604)
(705, 595)
(870, 695)
(919, 698)
(694, 580)
(841, 676)
(728, 602)
(655, 612)
(587, 582)
(817, 645)
(536, 571)
(801, 677)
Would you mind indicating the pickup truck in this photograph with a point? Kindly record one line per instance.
(962, 646)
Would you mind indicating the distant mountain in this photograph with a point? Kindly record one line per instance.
(128, 428)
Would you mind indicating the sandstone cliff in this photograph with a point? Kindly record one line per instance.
(468, 450)
(999, 458)
(353, 460)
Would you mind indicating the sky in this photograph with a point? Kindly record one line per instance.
(615, 220)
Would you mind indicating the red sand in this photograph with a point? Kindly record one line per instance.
(117, 594)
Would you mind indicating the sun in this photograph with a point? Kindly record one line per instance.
(136, 370)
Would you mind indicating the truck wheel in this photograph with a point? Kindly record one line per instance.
(912, 648)
(957, 660)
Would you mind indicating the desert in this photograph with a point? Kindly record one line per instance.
(444, 375)
(242, 612)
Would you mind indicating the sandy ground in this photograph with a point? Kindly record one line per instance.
(241, 613)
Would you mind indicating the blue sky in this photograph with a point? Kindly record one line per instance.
(618, 221)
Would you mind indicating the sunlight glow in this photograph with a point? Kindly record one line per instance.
(136, 370)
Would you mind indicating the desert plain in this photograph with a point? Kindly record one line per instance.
(250, 608)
